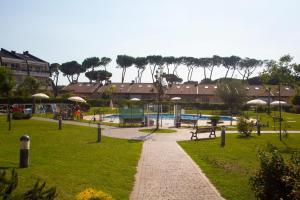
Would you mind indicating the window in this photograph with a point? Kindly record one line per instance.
(206, 87)
(148, 85)
(178, 86)
(187, 86)
(140, 86)
(215, 87)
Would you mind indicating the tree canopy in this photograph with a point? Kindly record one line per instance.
(124, 62)
(6, 81)
(72, 70)
(98, 76)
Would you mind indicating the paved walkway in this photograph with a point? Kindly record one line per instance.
(164, 171)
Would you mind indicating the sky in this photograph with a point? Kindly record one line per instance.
(59, 31)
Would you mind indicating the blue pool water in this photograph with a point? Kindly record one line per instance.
(183, 116)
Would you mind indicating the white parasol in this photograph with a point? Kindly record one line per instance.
(256, 102)
(77, 99)
(276, 103)
(176, 98)
(40, 96)
(135, 99)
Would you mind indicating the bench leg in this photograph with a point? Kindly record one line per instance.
(194, 136)
(212, 133)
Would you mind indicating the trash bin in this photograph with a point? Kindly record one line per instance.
(178, 124)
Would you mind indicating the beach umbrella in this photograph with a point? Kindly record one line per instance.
(135, 99)
(256, 102)
(176, 98)
(77, 99)
(276, 103)
(40, 96)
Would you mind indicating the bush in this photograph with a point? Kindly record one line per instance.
(275, 179)
(9, 183)
(214, 120)
(91, 194)
(295, 109)
(19, 115)
(244, 127)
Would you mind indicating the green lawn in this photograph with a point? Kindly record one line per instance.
(291, 120)
(102, 110)
(70, 159)
(229, 168)
(154, 130)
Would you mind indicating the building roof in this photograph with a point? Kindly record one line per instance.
(24, 56)
(175, 89)
(132, 88)
(81, 88)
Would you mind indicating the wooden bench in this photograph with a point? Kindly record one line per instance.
(211, 130)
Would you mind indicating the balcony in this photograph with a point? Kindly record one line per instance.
(18, 71)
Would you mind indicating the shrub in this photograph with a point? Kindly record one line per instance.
(19, 115)
(214, 120)
(244, 127)
(8, 184)
(92, 194)
(295, 109)
(275, 179)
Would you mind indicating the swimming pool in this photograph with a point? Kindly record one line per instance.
(183, 116)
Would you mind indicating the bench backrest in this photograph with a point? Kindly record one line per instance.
(203, 130)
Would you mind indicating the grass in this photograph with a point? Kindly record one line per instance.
(154, 130)
(102, 110)
(229, 168)
(70, 159)
(291, 120)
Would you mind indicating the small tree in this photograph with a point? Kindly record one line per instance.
(275, 179)
(244, 127)
(232, 93)
(54, 74)
(282, 71)
(29, 86)
(6, 82)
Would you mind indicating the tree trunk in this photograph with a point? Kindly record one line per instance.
(233, 72)
(141, 75)
(152, 72)
(211, 72)
(123, 74)
(204, 70)
(227, 73)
